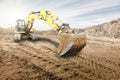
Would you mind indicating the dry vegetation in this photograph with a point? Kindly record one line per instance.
(37, 60)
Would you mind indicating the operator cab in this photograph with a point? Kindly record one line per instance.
(20, 26)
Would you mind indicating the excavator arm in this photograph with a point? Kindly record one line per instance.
(47, 16)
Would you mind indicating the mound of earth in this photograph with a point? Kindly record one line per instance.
(110, 29)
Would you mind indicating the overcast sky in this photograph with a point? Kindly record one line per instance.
(78, 13)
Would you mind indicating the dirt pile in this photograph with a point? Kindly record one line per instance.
(111, 29)
(71, 41)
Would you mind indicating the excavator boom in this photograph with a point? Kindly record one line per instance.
(47, 16)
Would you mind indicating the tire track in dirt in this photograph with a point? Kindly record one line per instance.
(52, 76)
(68, 69)
(96, 68)
(96, 64)
(43, 61)
(31, 53)
(47, 60)
(106, 56)
(104, 60)
(30, 61)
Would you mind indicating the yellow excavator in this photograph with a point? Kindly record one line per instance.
(70, 44)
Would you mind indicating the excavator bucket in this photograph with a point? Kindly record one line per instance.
(70, 44)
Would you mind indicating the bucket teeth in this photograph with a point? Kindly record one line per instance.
(70, 45)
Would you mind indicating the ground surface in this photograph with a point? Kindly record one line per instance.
(27, 60)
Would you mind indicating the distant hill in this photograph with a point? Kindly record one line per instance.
(6, 30)
(110, 29)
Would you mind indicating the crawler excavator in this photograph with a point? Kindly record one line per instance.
(70, 44)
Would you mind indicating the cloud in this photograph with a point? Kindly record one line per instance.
(87, 8)
(10, 12)
(93, 13)
(2, 1)
(80, 13)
